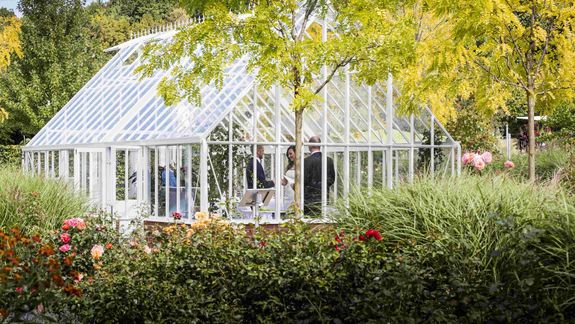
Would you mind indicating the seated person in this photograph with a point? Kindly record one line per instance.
(261, 180)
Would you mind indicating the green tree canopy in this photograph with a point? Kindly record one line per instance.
(58, 58)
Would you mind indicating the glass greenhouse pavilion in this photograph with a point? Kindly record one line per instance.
(118, 143)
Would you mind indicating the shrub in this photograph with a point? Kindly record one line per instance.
(27, 201)
(547, 164)
(42, 272)
(10, 155)
(486, 248)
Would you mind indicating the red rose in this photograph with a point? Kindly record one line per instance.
(362, 238)
(373, 233)
(177, 215)
(108, 246)
(65, 227)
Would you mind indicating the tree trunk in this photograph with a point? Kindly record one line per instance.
(297, 164)
(531, 134)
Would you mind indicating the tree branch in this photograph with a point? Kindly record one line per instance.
(547, 40)
(498, 78)
(310, 8)
(341, 64)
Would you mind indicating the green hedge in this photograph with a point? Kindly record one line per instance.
(10, 154)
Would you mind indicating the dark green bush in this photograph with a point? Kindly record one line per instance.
(490, 248)
(10, 155)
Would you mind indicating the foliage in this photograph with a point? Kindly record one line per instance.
(562, 123)
(40, 272)
(137, 9)
(516, 45)
(10, 155)
(58, 58)
(472, 128)
(490, 248)
(10, 44)
(28, 202)
(550, 163)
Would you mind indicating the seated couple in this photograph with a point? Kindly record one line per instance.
(312, 176)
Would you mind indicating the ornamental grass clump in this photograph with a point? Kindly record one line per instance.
(27, 201)
(499, 249)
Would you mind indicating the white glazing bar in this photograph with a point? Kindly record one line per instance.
(230, 161)
(204, 176)
(336, 182)
(389, 131)
(25, 161)
(369, 140)
(347, 117)
(278, 153)
(324, 126)
(63, 165)
(358, 169)
(397, 159)
(52, 161)
(178, 177)
(127, 156)
(144, 174)
(46, 164)
(254, 139)
(189, 181)
(411, 157)
(77, 170)
(82, 171)
(432, 142)
(156, 182)
(383, 168)
(301, 183)
(166, 183)
(452, 157)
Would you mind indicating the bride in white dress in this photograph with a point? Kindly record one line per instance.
(289, 178)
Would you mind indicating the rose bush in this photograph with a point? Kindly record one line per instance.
(42, 273)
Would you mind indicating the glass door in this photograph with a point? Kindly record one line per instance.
(90, 169)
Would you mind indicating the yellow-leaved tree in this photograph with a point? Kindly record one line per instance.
(9, 44)
(515, 44)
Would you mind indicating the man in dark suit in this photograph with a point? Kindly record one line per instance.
(262, 182)
(312, 178)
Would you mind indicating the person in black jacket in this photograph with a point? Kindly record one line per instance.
(312, 178)
(261, 180)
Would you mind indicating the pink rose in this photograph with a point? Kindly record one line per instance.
(65, 238)
(75, 223)
(467, 158)
(65, 248)
(97, 251)
(487, 157)
(479, 165)
(19, 290)
(509, 164)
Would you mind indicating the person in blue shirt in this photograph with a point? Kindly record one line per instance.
(172, 177)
